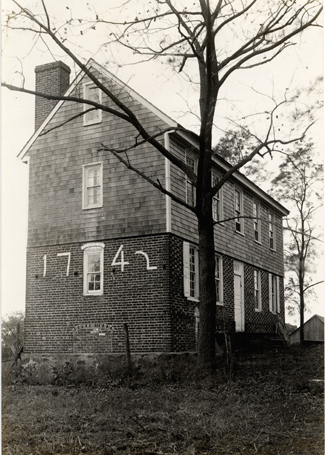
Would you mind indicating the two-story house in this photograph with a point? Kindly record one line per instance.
(106, 248)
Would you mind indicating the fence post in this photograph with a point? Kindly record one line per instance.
(127, 347)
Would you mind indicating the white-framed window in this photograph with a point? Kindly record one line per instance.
(219, 280)
(191, 271)
(92, 93)
(93, 261)
(239, 211)
(189, 187)
(257, 221)
(92, 194)
(272, 242)
(217, 201)
(274, 293)
(257, 290)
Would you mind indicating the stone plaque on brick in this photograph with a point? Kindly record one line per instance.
(93, 338)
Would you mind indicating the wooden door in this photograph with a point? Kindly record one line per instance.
(239, 298)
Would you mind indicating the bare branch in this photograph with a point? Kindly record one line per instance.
(312, 285)
(145, 177)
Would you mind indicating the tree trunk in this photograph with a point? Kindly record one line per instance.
(206, 344)
(302, 300)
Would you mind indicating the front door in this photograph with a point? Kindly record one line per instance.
(239, 297)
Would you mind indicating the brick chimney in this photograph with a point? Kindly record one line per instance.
(53, 79)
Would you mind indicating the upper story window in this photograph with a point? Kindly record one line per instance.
(272, 231)
(239, 212)
(257, 290)
(217, 201)
(92, 93)
(219, 280)
(274, 293)
(93, 268)
(189, 188)
(191, 271)
(92, 186)
(257, 221)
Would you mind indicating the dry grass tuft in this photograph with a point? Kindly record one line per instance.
(270, 408)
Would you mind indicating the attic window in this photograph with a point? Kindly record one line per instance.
(92, 93)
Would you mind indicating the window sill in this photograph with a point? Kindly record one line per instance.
(93, 295)
(93, 207)
(193, 299)
(220, 304)
(258, 310)
(240, 233)
(258, 242)
(272, 249)
(92, 123)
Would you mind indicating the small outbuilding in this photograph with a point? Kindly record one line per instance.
(313, 330)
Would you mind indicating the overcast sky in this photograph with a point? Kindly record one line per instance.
(297, 67)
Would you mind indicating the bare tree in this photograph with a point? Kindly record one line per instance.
(298, 184)
(220, 38)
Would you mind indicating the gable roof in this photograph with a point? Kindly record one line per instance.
(315, 316)
(91, 63)
(189, 136)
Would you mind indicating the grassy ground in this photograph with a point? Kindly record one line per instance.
(270, 407)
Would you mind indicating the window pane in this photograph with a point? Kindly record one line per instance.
(190, 161)
(93, 177)
(216, 207)
(93, 94)
(93, 195)
(192, 272)
(94, 262)
(237, 201)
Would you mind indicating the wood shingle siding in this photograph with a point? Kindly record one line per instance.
(56, 161)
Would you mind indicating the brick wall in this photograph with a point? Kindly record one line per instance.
(60, 319)
(265, 320)
(182, 309)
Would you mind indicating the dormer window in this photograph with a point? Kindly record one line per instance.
(92, 93)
